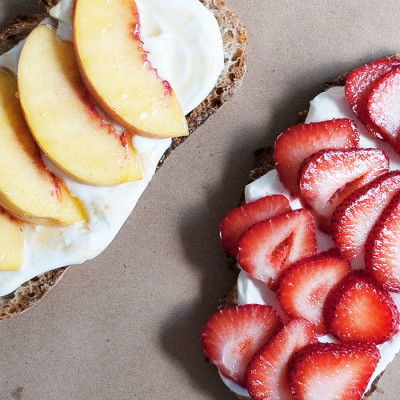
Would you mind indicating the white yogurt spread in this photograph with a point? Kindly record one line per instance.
(196, 53)
(327, 105)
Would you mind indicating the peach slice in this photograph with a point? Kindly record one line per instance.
(28, 190)
(63, 117)
(11, 243)
(117, 72)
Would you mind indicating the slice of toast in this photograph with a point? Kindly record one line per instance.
(234, 40)
(263, 163)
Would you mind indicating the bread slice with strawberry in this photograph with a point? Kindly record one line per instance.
(349, 183)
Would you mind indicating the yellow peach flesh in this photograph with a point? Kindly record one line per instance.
(11, 244)
(27, 188)
(116, 70)
(63, 117)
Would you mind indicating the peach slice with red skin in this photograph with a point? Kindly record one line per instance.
(116, 70)
(64, 119)
(28, 190)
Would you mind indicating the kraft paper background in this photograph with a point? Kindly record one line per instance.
(126, 325)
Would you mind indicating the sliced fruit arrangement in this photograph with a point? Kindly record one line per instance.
(359, 310)
(356, 215)
(332, 371)
(67, 123)
(354, 197)
(267, 248)
(305, 285)
(309, 139)
(233, 335)
(107, 43)
(51, 91)
(360, 83)
(70, 130)
(236, 222)
(267, 371)
(329, 176)
(28, 190)
(382, 257)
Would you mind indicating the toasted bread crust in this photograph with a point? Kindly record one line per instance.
(29, 293)
(18, 30)
(234, 39)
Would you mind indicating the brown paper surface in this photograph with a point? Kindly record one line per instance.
(126, 325)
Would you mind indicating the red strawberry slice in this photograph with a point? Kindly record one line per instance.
(305, 285)
(356, 215)
(382, 256)
(269, 247)
(331, 371)
(384, 107)
(309, 139)
(359, 85)
(358, 310)
(328, 177)
(233, 335)
(242, 218)
(267, 372)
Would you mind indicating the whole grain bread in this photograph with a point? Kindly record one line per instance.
(234, 40)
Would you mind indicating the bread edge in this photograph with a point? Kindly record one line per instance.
(235, 66)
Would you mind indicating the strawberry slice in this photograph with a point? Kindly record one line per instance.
(384, 107)
(332, 371)
(233, 335)
(382, 257)
(305, 285)
(267, 372)
(328, 177)
(358, 310)
(309, 139)
(356, 215)
(359, 85)
(242, 218)
(269, 247)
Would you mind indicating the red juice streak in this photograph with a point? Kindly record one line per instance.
(91, 109)
(11, 218)
(55, 180)
(135, 31)
(122, 139)
(57, 186)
